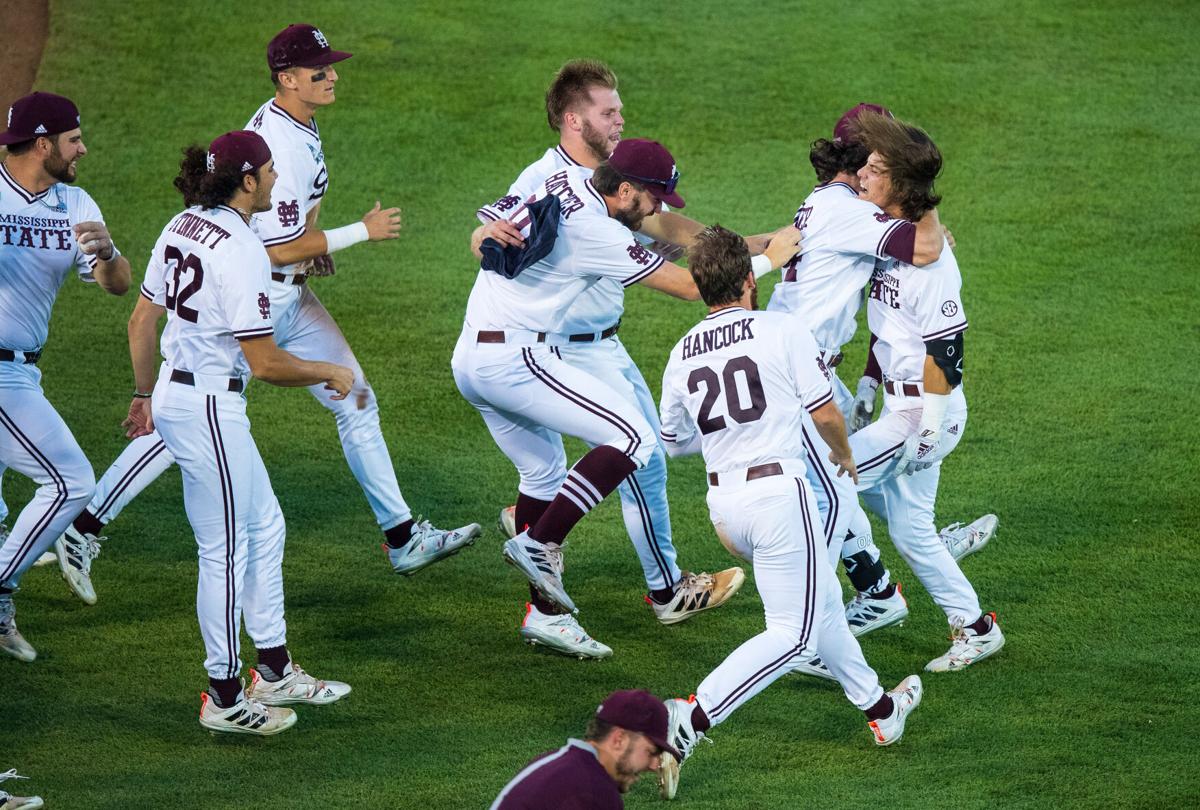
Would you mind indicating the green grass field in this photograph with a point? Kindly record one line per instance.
(1067, 129)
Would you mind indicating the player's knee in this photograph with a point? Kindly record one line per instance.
(79, 481)
(357, 427)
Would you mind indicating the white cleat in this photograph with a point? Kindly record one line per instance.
(684, 738)
(698, 592)
(428, 545)
(905, 699)
(561, 633)
(865, 614)
(45, 559)
(11, 802)
(962, 540)
(508, 521)
(244, 717)
(11, 640)
(813, 666)
(297, 686)
(968, 647)
(542, 565)
(75, 552)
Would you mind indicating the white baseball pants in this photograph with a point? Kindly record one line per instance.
(908, 500)
(234, 514)
(304, 327)
(36, 442)
(773, 522)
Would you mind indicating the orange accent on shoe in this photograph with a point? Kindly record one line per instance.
(203, 702)
(649, 601)
(528, 610)
(878, 734)
(691, 698)
(254, 677)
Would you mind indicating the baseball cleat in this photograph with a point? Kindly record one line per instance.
(297, 686)
(561, 633)
(244, 717)
(75, 552)
(683, 737)
(813, 666)
(45, 559)
(865, 613)
(11, 640)
(508, 521)
(968, 647)
(428, 545)
(697, 592)
(542, 565)
(962, 540)
(11, 802)
(905, 699)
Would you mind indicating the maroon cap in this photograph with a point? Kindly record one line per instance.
(39, 114)
(651, 165)
(301, 45)
(845, 130)
(635, 710)
(242, 148)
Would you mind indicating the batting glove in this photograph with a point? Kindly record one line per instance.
(864, 404)
(919, 447)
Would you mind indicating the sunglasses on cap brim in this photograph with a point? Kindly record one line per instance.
(668, 186)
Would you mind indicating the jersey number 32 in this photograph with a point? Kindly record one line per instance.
(177, 294)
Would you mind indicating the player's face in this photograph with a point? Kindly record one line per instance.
(640, 755)
(601, 123)
(262, 192)
(641, 204)
(315, 85)
(65, 151)
(875, 181)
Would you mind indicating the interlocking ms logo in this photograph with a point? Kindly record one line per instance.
(320, 38)
(264, 306)
(289, 213)
(10, 117)
(821, 365)
(882, 217)
(639, 254)
(505, 203)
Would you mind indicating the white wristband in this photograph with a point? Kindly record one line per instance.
(934, 411)
(761, 265)
(346, 236)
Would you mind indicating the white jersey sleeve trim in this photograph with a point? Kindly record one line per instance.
(947, 332)
(821, 401)
(287, 237)
(634, 279)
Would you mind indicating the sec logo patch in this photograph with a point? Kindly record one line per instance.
(949, 309)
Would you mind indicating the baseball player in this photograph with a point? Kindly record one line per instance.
(302, 68)
(210, 274)
(918, 319)
(583, 106)
(625, 738)
(507, 363)
(735, 388)
(48, 228)
(11, 802)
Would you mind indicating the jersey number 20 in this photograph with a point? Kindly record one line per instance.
(176, 297)
(733, 399)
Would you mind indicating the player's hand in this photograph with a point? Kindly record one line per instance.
(382, 223)
(784, 245)
(949, 236)
(139, 422)
(864, 404)
(94, 240)
(917, 450)
(341, 381)
(322, 265)
(504, 232)
(670, 252)
(845, 466)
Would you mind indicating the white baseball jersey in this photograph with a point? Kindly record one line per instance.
(743, 379)
(211, 273)
(37, 253)
(843, 236)
(908, 306)
(300, 163)
(591, 246)
(601, 305)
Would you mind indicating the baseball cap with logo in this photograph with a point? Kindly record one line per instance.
(636, 710)
(651, 165)
(301, 45)
(846, 130)
(242, 148)
(39, 114)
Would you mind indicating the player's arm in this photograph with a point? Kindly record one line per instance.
(377, 225)
(671, 227)
(503, 231)
(111, 273)
(941, 374)
(677, 281)
(832, 427)
(930, 237)
(678, 432)
(276, 366)
(143, 344)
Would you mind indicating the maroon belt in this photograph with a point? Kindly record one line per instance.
(497, 336)
(753, 473)
(901, 389)
(187, 378)
(590, 337)
(295, 280)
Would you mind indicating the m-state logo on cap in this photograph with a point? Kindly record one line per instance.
(320, 38)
